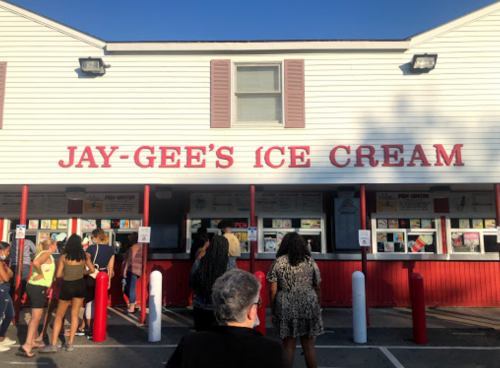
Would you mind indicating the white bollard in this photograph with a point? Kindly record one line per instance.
(359, 307)
(155, 305)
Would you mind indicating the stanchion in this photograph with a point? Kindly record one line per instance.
(155, 305)
(418, 309)
(359, 307)
(101, 306)
(261, 312)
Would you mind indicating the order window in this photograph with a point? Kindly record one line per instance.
(472, 235)
(258, 94)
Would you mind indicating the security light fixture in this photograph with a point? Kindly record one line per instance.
(423, 63)
(75, 193)
(93, 66)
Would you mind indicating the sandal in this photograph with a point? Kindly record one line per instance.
(38, 339)
(23, 353)
(38, 346)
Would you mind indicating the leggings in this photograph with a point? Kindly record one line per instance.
(6, 309)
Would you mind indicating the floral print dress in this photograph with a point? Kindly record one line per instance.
(297, 311)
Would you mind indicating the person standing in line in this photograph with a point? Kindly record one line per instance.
(233, 342)
(29, 249)
(103, 258)
(203, 275)
(132, 270)
(6, 305)
(41, 279)
(295, 297)
(199, 241)
(71, 267)
(234, 244)
(200, 252)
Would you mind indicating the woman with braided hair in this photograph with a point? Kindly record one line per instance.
(203, 275)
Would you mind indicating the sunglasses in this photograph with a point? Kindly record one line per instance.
(259, 302)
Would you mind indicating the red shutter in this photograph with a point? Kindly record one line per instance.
(295, 109)
(220, 94)
(3, 77)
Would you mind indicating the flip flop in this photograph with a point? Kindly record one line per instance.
(129, 312)
(38, 340)
(23, 353)
(39, 346)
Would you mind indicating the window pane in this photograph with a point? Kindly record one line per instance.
(422, 243)
(259, 108)
(258, 79)
(490, 244)
(466, 242)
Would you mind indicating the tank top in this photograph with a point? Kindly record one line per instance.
(136, 262)
(73, 272)
(48, 270)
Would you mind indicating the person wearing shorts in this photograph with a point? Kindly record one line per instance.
(71, 267)
(38, 284)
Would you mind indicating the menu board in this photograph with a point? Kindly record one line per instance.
(472, 202)
(404, 202)
(108, 204)
(39, 204)
(347, 223)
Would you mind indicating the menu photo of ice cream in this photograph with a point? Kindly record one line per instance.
(456, 239)
(477, 223)
(489, 223)
(464, 223)
(415, 223)
(426, 223)
(393, 224)
(382, 223)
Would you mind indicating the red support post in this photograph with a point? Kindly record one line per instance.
(253, 223)
(101, 306)
(20, 252)
(418, 309)
(145, 222)
(261, 312)
(364, 263)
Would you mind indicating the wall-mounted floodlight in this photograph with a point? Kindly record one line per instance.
(423, 63)
(93, 66)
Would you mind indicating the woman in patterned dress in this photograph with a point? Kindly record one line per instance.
(295, 297)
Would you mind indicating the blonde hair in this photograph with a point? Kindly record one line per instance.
(45, 244)
(101, 236)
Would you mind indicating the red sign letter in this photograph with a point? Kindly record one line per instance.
(151, 159)
(360, 155)
(87, 156)
(388, 155)
(334, 160)
(301, 156)
(421, 156)
(71, 158)
(457, 152)
(196, 157)
(257, 157)
(222, 156)
(171, 157)
(267, 157)
(105, 156)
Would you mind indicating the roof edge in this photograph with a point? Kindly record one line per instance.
(53, 24)
(452, 24)
(225, 46)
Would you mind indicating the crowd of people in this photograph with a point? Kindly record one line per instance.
(69, 284)
(226, 300)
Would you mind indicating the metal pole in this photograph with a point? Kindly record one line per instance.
(364, 263)
(155, 296)
(101, 307)
(359, 308)
(418, 309)
(145, 222)
(253, 223)
(20, 253)
(261, 312)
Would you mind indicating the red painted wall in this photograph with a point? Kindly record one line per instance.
(466, 284)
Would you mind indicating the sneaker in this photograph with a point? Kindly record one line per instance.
(80, 332)
(90, 336)
(7, 342)
(48, 349)
(68, 347)
(4, 348)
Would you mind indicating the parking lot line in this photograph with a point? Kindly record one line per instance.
(392, 358)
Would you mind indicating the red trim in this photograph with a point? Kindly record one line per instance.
(444, 239)
(74, 225)
(3, 78)
(1, 229)
(17, 295)
(145, 223)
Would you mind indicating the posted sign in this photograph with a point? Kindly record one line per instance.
(20, 231)
(144, 234)
(364, 238)
(252, 234)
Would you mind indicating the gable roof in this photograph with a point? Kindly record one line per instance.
(451, 25)
(50, 23)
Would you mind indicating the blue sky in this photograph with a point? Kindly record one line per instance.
(168, 20)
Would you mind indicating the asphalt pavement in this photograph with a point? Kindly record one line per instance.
(458, 337)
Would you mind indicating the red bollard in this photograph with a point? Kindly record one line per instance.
(261, 312)
(101, 306)
(418, 309)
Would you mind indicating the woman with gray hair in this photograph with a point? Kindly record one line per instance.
(234, 342)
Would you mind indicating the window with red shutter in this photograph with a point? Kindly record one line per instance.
(295, 111)
(3, 77)
(220, 94)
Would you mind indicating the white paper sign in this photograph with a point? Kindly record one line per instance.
(364, 238)
(20, 231)
(498, 234)
(252, 234)
(144, 234)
